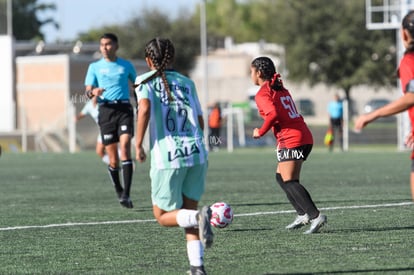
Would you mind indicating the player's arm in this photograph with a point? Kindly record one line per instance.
(79, 116)
(91, 91)
(269, 121)
(197, 107)
(201, 122)
(397, 106)
(144, 111)
(90, 82)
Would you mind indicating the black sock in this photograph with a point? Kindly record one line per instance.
(127, 170)
(114, 176)
(302, 197)
(292, 201)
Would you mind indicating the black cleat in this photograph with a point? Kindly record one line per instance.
(205, 232)
(126, 202)
(197, 270)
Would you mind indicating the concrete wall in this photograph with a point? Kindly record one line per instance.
(48, 88)
(7, 102)
(42, 91)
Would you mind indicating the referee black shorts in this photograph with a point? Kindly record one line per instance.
(115, 119)
(336, 122)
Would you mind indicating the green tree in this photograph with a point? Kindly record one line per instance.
(327, 41)
(136, 32)
(26, 23)
(231, 18)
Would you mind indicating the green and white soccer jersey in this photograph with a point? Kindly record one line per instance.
(176, 139)
(91, 110)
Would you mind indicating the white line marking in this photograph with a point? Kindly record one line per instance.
(73, 224)
(236, 215)
(329, 208)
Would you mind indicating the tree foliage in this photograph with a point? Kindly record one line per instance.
(26, 22)
(325, 41)
(230, 18)
(151, 23)
(324, 45)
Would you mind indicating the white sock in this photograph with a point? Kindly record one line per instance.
(187, 218)
(105, 159)
(195, 253)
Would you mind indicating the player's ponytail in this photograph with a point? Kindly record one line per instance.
(268, 72)
(276, 82)
(408, 24)
(161, 52)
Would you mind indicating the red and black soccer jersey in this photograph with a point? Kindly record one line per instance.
(406, 74)
(279, 112)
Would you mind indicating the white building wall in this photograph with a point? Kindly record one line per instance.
(7, 102)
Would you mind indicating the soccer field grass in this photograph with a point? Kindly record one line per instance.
(59, 215)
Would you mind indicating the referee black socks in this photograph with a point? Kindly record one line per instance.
(127, 170)
(114, 175)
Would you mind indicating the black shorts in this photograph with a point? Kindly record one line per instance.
(336, 122)
(297, 153)
(115, 120)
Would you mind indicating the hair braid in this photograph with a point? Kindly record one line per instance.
(161, 53)
(408, 24)
(267, 68)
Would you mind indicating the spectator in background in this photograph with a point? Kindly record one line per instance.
(214, 124)
(335, 110)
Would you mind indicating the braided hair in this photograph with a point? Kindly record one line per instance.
(265, 66)
(408, 24)
(161, 52)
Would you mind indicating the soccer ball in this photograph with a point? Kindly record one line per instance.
(221, 214)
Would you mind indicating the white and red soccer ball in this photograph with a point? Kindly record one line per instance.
(221, 214)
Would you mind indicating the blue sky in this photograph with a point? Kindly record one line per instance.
(80, 16)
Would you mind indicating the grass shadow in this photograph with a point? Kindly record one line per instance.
(352, 271)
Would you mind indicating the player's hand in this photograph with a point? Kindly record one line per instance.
(97, 91)
(141, 156)
(256, 133)
(409, 141)
(360, 123)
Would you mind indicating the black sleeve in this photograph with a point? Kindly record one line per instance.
(409, 88)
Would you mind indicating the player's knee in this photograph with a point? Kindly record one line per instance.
(279, 178)
(160, 222)
(163, 221)
(100, 152)
(160, 216)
